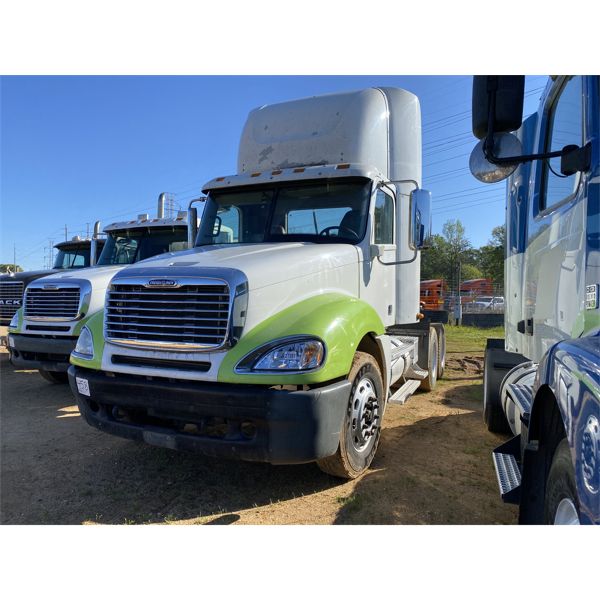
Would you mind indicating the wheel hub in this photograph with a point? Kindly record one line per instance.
(566, 513)
(364, 418)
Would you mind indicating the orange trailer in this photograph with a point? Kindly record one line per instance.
(432, 294)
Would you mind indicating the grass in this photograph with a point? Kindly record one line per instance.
(350, 503)
(469, 339)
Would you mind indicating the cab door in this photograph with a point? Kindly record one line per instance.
(554, 271)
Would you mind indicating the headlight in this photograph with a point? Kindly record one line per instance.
(293, 355)
(14, 322)
(85, 344)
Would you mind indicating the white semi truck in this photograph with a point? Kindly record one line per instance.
(76, 253)
(43, 333)
(283, 334)
(542, 382)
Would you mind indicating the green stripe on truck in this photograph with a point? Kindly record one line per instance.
(340, 321)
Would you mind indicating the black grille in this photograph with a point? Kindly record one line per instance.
(181, 365)
(11, 297)
(60, 303)
(190, 315)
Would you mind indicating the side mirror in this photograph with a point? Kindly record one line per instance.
(192, 222)
(504, 145)
(217, 226)
(192, 216)
(503, 97)
(420, 219)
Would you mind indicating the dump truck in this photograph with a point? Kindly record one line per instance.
(76, 253)
(284, 333)
(542, 381)
(43, 333)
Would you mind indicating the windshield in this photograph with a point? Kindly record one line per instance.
(129, 246)
(76, 257)
(316, 212)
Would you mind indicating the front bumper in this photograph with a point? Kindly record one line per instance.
(247, 422)
(37, 352)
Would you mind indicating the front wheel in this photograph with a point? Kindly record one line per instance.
(361, 428)
(561, 506)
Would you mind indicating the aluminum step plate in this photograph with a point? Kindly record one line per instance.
(507, 472)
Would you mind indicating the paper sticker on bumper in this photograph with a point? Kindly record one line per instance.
(83, 387)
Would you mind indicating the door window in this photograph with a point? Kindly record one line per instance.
(565, 127)
(384, 218)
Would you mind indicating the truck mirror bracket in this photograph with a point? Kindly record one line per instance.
(574, 159)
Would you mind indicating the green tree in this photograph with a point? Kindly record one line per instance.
(433, 260)
(9, 268)
(491, 256)
(447, 252)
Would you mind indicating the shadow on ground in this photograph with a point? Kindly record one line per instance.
(56, 469)
(437, 470)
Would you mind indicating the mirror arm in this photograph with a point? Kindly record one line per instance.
(488, 145)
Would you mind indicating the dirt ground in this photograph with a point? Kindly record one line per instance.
(433, 466)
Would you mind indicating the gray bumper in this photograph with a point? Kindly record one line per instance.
(37, 352)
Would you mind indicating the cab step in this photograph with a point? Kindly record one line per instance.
(401, 395)
(506, 462)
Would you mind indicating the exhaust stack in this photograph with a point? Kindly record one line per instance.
(161, 205)
(94, 244)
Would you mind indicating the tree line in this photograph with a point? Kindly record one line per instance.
(9, 268)
(452, 257)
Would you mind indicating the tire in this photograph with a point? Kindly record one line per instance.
(493, 415)
(365, 408)
(429, 382)
(561, 506)
(55, 376)
(441, 352)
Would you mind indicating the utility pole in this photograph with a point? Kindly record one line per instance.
(459, 312)
(50, 253)
(87, 231)
(14, 257)
(65, 233)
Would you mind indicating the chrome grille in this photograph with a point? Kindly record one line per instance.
(59, 303)
(189, 316)
(11, 297)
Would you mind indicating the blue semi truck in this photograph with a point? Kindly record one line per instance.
(542, 382)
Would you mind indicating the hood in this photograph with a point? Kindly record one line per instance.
(27, 276)
(96, 275)
(263, 264)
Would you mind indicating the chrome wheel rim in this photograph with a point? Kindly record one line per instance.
(364, 415)
(566, 513)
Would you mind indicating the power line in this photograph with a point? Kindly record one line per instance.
(453, 209)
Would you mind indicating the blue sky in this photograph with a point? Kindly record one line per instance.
(77, 149)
